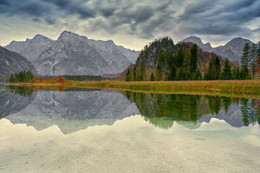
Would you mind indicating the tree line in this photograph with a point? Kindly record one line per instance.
(23, 76)
(180, 62)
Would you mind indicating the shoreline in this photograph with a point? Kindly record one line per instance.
(231, 88)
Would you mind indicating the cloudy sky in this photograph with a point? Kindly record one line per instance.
(131, 23)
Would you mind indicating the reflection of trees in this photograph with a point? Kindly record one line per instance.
(11, 103)
(250, 111)
(22, 90)
(162, 109)
(214, 103)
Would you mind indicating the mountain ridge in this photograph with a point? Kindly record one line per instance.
(73, 54)
(232, 50)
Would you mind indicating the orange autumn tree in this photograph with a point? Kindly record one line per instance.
(60, 79)
(36, 79)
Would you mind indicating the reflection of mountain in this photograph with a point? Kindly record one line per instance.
(188, 110)
(74, 110)
(12, 102)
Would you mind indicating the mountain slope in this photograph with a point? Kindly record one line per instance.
(72, 54)
(11, 62)
(31, 48)
(233, 50)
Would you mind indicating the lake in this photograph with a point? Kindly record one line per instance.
(88, 130)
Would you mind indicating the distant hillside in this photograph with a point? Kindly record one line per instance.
(72, 54)
(233, 50)
(172, 61)
(11, 62)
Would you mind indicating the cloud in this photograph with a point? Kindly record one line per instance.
(146, 19)
(219, 17)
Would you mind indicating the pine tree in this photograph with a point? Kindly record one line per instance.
(135, 75)
(173, 72)
(193, 58)
(210, 74)
(253, 59)
(128, 75)
(218, 68)
(152, 77)
(143, 72)
(245, 61)
(226, 74)
(198, 75)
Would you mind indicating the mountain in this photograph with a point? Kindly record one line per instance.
(233, 50)
(31, 48)
(165, 60)
(11, 102)
(72, 54)
(206, 47)
(11, 62)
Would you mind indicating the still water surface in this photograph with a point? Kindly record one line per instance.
(116, 131)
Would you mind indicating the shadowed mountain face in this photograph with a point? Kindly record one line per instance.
(233, 50)
(11, 62)
(73, 54)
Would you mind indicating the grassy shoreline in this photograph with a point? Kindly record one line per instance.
(244, 88)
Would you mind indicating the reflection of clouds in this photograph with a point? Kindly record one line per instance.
(131, 145)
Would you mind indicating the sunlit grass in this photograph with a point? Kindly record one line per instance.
(229, 87)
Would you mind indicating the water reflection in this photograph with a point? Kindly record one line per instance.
(162, 110)
(76, 109)
(12, 100)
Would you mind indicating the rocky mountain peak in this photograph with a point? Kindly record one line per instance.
(238, 41)
(74, 54)
(193, 39)
(68, 35)
(233, 50)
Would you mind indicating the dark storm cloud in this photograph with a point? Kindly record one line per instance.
(219, 17)
(143, 18)
(42, 9)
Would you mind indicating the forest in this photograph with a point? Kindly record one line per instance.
(162, 60)
(23, 76)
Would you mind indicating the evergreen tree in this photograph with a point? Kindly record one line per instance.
(193, 59)
(245, 61)
(173, 72)
(253, 59)
(226, 74)
(135, 73)
(23, 76)
(211, 73)
(143, 72)
(198, 75)
(218, 68)
(181, 74)
(152, 77)
(128, 75)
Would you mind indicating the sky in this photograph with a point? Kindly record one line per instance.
(131, 23)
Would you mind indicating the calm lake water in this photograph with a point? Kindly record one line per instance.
(80, 130)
